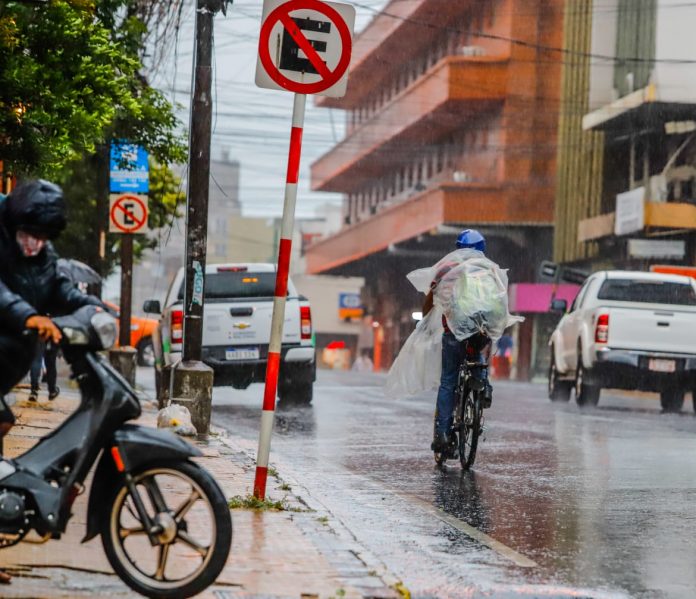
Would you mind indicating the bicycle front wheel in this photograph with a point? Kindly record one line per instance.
(469, 431)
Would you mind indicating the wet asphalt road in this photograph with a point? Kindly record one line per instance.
(595, 503)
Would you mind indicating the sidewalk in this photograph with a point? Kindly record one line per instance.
(292, 553)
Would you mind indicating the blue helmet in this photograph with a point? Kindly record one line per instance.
(472, 239)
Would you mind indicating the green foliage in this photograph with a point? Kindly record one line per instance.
(70, 81)
(70, 77)
(250, 502)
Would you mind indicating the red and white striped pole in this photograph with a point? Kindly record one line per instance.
(281, 291)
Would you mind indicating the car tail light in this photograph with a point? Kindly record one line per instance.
(177, 326)
(306, 322)
(602, 330)
(232, 268)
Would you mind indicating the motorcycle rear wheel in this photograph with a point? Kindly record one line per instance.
(187, 504)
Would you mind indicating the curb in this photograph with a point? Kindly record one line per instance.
(393, 587)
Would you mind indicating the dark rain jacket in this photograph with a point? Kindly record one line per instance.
(30, 286)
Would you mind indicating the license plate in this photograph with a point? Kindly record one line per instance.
(242, 354)
(662, 365)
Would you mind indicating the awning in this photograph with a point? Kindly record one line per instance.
(535, 298)
(642, 110)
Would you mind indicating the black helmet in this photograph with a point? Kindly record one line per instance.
(37, 207)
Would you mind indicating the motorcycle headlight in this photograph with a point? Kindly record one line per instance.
(75, 336)
(105, 326)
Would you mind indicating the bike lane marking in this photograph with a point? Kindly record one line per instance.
(471, 531)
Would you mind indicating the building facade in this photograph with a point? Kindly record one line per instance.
(627, 138)
(451, 121)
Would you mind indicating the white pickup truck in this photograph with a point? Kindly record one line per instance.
(626, 330)
(237, 309)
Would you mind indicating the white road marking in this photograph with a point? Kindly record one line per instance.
(474, 533)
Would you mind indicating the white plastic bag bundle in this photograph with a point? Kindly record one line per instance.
(418, 365)
(178, 418)
(471, 291)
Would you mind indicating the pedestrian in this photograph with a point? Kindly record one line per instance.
(363, 363)
(503, 358)
(45, 359)
(30, 286)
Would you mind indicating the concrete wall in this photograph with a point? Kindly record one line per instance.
(603, 44)
(675, 40)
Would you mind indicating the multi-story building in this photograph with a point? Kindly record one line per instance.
(627, 136)
(451, 120)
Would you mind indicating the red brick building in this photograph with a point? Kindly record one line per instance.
(451, 117)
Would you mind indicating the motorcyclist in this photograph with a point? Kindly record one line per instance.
(30, 285)
(452, 350)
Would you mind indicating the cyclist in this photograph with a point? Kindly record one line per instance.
(453, 351)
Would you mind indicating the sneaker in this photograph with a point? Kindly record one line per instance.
(440, 443)
(34, 395)
(54, 393)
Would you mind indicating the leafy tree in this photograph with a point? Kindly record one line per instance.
(70, 75)
(71, 79)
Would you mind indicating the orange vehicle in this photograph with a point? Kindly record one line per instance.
(141, 336)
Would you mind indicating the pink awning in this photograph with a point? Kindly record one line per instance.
(536, 297)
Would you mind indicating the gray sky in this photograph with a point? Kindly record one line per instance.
(252, 123)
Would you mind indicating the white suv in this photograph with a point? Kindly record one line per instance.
(238, 304)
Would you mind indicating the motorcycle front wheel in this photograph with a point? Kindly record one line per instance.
(194, 531)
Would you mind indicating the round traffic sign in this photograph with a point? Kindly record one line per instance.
(129, 214)
(329, 77)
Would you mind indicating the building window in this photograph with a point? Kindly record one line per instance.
(220, 250)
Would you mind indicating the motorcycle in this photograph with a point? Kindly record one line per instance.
(164, 523)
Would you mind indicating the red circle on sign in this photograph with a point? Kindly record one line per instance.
(274, 73)
(138, 222)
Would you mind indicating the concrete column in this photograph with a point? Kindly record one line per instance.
(125, 360)
(192, 387)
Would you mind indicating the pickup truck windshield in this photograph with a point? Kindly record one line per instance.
(229, 285)
(649, 292)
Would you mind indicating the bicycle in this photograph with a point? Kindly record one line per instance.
(471, 390)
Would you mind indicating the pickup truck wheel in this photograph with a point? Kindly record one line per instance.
(146, 352)
(671, 401)
(585, 394)
(300, 393)
(559, 390)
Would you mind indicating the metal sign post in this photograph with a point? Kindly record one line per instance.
(128, 214)
(305, 48)
(279, 297)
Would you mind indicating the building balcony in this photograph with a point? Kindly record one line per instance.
(678, 216)
(401, 30)
(454, 203)
(455, 90)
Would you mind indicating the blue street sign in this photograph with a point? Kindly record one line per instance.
(128, 168)
(350, 306)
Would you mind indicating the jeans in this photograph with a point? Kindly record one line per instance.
(453, 352)
(46, 353)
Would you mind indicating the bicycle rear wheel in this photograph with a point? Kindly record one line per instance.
(469, 431)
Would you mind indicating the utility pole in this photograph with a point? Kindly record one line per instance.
(191, 380)
(198, 179)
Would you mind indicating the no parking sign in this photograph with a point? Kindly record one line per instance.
(128, 213)
(305, 46)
